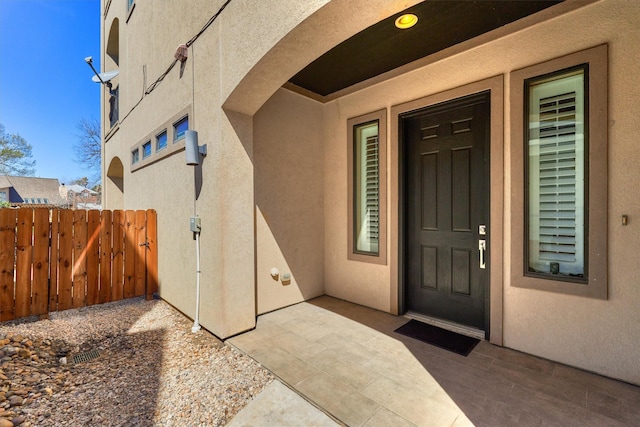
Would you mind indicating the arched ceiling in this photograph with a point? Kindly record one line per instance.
(382, 47)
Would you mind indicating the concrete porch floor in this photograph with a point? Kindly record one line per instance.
(347, 360)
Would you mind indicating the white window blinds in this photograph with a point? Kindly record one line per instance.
(556, 175)
(367, 188)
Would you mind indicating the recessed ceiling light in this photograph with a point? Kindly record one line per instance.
(407, 20)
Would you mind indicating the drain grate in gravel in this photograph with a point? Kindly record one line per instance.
(85, 357)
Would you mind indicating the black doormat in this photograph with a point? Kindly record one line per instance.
(439, 337)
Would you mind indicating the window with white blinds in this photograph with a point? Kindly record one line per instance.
(556, 174)
(367, 188)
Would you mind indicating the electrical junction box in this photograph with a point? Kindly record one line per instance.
(195, 224)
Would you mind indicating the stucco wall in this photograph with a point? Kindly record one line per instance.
(223, 184)
(596, 335)
(288, 181)
(240, 62)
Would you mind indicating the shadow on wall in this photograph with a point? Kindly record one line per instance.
(283, 142)
(288, 190)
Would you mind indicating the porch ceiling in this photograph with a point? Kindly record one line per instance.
(382, 47)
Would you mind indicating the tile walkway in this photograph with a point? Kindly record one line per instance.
(347, 360)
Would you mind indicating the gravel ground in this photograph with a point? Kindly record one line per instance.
(151, 370)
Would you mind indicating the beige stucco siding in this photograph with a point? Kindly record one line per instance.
(225, 199)
(596, 335)
(288, 181)
(273, 187)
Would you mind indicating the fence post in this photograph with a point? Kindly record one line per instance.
(152, 254)
(130, 252)
(40, 286)
(79, 272)
(105, 257)
(8, 220)
(23, 262)
(54, 260)
(65, 266)
(141, 252)
(117, 272)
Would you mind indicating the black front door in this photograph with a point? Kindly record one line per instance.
(446, 200)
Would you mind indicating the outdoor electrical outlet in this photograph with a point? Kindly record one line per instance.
(195, 224)
(286, 279)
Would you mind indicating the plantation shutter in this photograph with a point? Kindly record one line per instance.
(556, 175)
(372, 188)
(557, 185)
(366, 188)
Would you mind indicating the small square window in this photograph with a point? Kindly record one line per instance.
(161, 141)
(46, 201)
(135, 156)
(146, 149)
(180, 127)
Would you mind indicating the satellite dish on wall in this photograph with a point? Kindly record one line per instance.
(105, 77)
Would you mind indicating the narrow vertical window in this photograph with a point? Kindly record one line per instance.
(367, 189)
(557, 190)
(366, 181)
(135, 156)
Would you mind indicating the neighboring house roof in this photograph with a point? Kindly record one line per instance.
(4, 182)
(30, 190)
(95, 206)
(78, 188)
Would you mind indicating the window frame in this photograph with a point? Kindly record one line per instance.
(171, 149)
(177, 137)
(146, 155)
(352, 253)
(135, 156)
(131, 5)
(594, 285)
(166, 140)
(529, 83)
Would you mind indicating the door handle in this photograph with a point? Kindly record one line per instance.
(482, 246)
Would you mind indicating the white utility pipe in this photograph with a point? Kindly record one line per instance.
(196, 326)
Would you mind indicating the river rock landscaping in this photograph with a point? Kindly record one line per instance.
(129, 363)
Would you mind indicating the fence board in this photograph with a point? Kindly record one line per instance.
(23, 262)
(152, 254)
(141, 252)
(130, 254)
(117, 269)
(59, 259)
(53, 261)
(105, 257)
(40, 286)
(8, 220)
(65, 266)
(93, 257)
(79, 273)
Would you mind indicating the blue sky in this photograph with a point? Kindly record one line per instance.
(45, 85)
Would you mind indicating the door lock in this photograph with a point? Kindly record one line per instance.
(482, 246)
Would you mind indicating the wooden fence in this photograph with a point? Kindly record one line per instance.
(57, 259)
